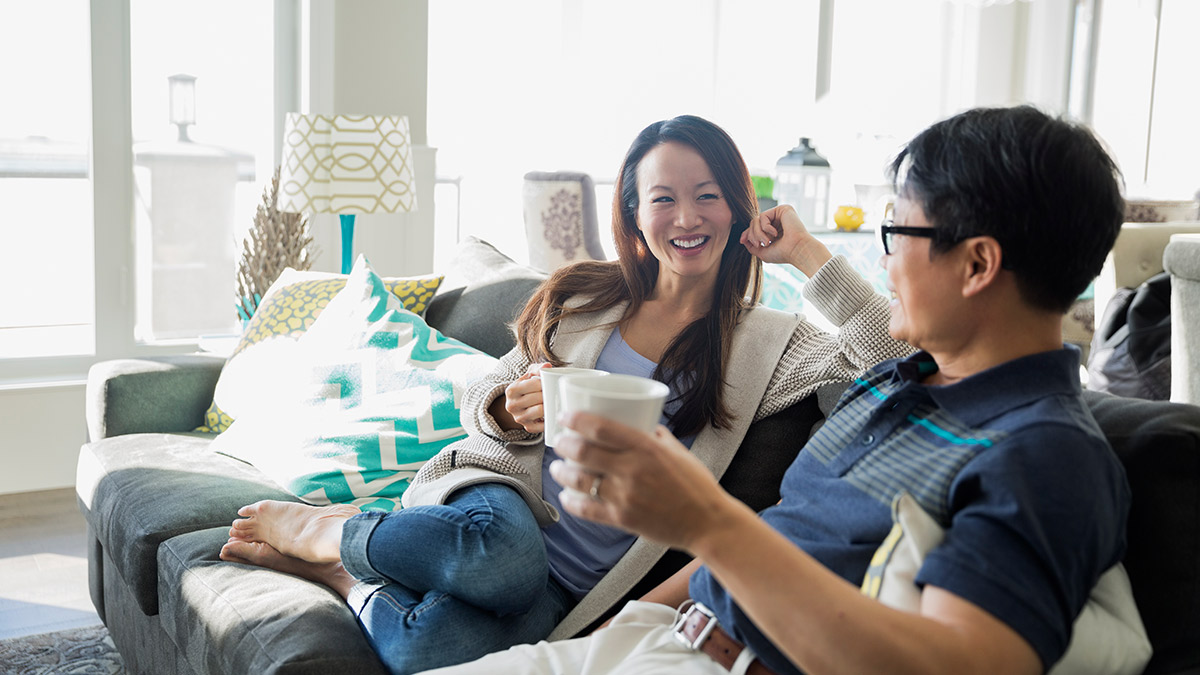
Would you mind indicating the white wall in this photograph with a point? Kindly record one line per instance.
(41, 430)
(370, 57)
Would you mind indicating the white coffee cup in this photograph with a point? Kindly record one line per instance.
(631, 400)
(552, 379)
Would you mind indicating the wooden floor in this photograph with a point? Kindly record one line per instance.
(43, 564)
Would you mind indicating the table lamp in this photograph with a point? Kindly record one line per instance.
(346, 164)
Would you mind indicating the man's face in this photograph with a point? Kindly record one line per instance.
(925, 292)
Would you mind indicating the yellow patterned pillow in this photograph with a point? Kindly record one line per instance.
(288, 308)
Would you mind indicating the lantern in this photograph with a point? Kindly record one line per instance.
(802, 180)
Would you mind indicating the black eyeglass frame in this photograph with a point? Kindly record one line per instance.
(887, 229)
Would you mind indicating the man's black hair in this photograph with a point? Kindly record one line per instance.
(1043, 187)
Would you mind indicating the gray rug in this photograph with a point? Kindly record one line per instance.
(79, 651)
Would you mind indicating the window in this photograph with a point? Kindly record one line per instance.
(45, 124)
(98, 210)
(1144, 93)
(196, 190)
(566, 84)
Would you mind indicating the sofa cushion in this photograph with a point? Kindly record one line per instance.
(483, 290)
(138, 490)
(1107, 635)
(289, 307)
(233, 618)
(375, 394)
(1159, 445)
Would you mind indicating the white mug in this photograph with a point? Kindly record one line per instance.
(628, 399)
(552, 379)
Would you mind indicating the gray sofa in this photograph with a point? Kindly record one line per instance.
(158, 507)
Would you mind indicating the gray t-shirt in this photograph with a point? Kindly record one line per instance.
(579, 551)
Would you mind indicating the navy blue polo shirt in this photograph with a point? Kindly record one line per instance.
(1009, 461)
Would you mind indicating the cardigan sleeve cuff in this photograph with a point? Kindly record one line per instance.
(837, 290)
(488, 425)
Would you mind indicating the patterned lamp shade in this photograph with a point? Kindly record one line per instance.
(346, 164)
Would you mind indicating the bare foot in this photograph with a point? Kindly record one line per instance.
(310, 533)
(262, 554)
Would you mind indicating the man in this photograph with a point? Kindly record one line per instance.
(1003, 218)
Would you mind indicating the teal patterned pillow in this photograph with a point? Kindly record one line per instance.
(374, 394)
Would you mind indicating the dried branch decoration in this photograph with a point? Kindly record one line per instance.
(277, 241)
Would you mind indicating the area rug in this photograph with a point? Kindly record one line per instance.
(79, 651)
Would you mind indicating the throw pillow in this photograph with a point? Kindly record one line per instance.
(483, 287)
(372, 393)
(1108, 636)
(290, 306)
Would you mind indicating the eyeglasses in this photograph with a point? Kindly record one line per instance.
(887, 230)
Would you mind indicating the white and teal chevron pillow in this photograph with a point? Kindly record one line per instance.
(374, 394)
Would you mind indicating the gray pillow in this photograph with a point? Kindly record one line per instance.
(482, 294)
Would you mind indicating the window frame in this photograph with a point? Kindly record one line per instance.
(110, 171)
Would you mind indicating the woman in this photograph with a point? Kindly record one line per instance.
(465, 569)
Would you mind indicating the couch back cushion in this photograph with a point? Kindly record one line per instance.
(1159, 444)
(483, 292)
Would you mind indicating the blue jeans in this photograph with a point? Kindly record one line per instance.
(447, 584)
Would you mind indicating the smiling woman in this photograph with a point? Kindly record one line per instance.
(682, 193)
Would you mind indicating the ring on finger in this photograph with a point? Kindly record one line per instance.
(594, 492)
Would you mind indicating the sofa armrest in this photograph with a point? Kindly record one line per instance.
(157, 394)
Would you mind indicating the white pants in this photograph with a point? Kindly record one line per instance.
(639, 640)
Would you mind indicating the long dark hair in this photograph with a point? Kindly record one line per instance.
(693, 364)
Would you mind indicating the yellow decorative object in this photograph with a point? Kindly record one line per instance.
(848, 218)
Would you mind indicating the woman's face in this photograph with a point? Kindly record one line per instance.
(682, 212)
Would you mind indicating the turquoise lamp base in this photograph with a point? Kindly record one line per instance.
(347, 242)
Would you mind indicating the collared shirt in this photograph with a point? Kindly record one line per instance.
(1009, 460)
